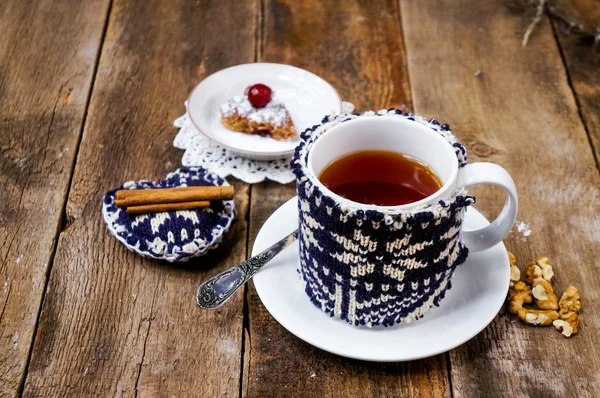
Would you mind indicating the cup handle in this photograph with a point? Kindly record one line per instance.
(490, 173)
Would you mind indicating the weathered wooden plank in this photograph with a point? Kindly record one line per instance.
(582, 59)
(521, 113)
(48, 52)
(358, 47)
(112, 323)
(582, 16)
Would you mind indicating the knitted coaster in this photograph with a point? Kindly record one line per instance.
(376, 267)
(174, 235)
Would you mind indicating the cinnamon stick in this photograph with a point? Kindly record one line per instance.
(126, 193)
(157, 208)
(138, 197)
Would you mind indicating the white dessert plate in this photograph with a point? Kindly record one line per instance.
(479, 288)
(306, 96)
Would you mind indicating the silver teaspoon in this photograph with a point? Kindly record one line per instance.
(214, 292)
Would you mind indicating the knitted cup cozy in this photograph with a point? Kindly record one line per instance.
(173, 235)
(376, 267)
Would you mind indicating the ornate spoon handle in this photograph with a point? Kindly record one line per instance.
(217, 290)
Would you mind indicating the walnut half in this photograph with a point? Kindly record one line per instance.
(539, 268)
(538, 317)
(544, 294)
(570, 305)
(518, 295)
(515, 272)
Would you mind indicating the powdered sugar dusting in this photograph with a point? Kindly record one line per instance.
(237, 105)
(523, 228)
(274, 113)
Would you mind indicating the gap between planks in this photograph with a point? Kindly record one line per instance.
(64, 222)
(245, 309)
(554, 28)
(258, 51)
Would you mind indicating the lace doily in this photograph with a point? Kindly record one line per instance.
(201, 151)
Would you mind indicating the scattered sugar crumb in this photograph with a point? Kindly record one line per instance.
(19, 259)
(523, 228)
(5, 288)
(478, 73)
(313, 375)
(22, 160)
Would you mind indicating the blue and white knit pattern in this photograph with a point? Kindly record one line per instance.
(376, 267)
(174, 235)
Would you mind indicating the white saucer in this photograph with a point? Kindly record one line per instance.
(479, 288)
(306, 96)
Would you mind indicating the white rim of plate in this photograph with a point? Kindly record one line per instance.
(243, 151)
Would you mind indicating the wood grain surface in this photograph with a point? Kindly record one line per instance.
(520, 113)
(113, 323)
(47, 60)
(355, 45)
(582, 16)
(358, 47)
(582, 59)
(88, 93)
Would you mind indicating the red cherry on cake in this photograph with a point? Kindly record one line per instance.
(259, 95)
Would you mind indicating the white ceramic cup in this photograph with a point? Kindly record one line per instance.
(421, 142)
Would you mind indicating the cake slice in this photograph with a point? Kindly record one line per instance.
(255, 113)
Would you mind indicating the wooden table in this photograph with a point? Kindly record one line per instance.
(88, 93)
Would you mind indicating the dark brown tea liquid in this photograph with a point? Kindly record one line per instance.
(382, 178)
